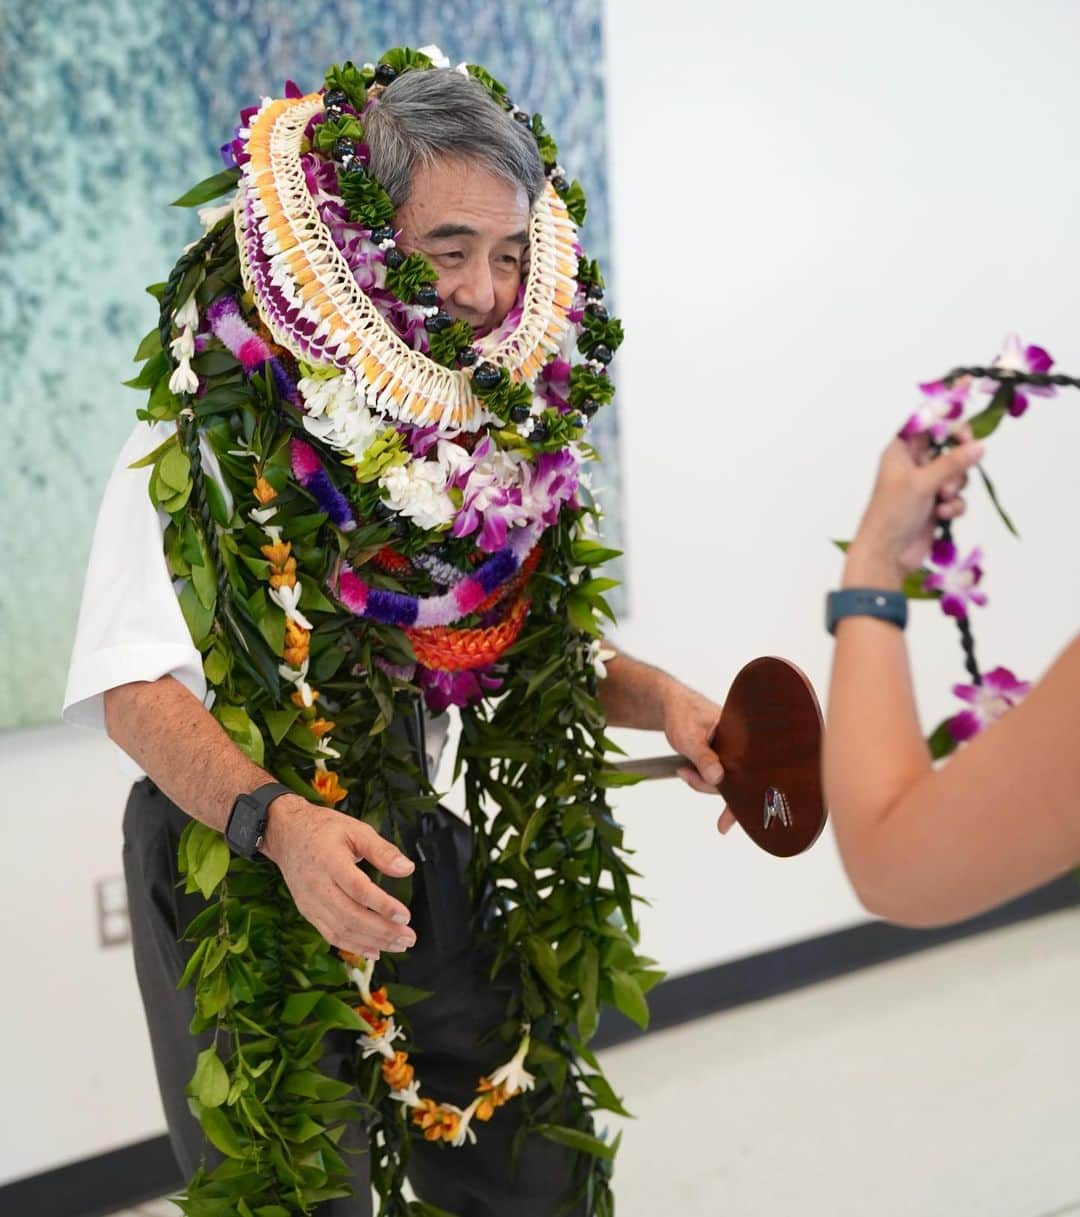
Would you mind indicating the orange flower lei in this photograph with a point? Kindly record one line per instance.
(437, 1121)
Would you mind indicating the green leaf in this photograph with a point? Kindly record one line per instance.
(987, 421)
(335, 1013)
(997, 503)
(207, 858)
(216, 499)
(211, 998)
(209, 188)
(536, 822)
(220, 1132)
(149, 346)
(574, 1138)
(151, 458)
(215, 666)
(151, 372)
(581, 615)
(199, 619)
(210, 1083)
(940, 741)
(629, 998)
(196, 958)
(279, 722)
(406, 995)
(914, 586)
(604, 1095)
(298, 1006)
(174, 468)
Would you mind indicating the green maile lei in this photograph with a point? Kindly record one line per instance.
(550, 881)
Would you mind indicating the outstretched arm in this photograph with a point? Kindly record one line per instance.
(923, 847)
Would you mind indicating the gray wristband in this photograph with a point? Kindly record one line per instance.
(865, 602)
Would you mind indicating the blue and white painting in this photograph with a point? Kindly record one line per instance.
(109, 110)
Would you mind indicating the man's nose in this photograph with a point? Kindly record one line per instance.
(475, 289)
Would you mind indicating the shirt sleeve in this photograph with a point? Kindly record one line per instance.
(130, 624)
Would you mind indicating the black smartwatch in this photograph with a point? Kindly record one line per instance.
(247, 820)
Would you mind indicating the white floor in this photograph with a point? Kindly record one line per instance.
(943, 1085)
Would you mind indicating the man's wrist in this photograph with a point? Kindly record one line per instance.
(282, 817)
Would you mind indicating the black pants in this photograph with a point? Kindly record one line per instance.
(473, 1181)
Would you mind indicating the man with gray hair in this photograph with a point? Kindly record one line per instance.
(464, 177)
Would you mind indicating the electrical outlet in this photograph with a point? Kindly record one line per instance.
(112, 912)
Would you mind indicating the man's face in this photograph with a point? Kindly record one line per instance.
(473, 227)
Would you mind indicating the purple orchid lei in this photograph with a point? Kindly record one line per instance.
(952, 578)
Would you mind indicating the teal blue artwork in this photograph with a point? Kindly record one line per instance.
(110, 110)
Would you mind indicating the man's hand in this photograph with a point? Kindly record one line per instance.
(316, 850)
(690, 721)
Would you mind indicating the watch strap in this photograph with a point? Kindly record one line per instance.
(865, 602)
(246, 824)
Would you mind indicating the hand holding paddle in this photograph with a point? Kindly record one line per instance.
(769, 742)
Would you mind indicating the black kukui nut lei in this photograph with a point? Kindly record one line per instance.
(602, 354)
(595, 309)
(344, 148)
(468, 356)
(486, 376)
(518, 414)
(335, 99)
(393, 258)
(379, 235)
(385, 74)
(438, 322)
(427, 296)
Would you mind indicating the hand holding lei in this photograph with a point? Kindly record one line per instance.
(944, 419)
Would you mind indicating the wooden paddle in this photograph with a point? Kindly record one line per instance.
(769, 742)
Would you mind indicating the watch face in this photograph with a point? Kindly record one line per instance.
(246, 826)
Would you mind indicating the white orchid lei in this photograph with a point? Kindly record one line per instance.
(402, 512)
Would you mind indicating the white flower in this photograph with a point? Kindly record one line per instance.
(298, 677)
(287, 599)
(373, 1045)
(273, 531)
(361, 977)
(599, 656)
(417, 490)
(512, 1078)
(436, 56)
(261, 514)
(188, 313)
(209, 216)
(183, 379)
(183, 345)
(324, 749)
(410, 1096)
(464, 1132)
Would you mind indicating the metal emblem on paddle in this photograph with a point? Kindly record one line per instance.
(769, 741)
(776, 808)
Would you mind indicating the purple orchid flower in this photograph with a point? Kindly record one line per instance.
(957, 579)
(553, 383)
(553, 481)
(444, 689)
(938, 414)
(998, 693)
(1019, 358)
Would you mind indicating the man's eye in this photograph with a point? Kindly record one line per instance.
(450, 256)
(508, 260)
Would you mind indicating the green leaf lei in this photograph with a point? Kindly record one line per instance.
(550, 882)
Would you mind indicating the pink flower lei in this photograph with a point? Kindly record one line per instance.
(954, 578)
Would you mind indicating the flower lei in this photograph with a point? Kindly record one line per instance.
(398, 507)
(1017, 374)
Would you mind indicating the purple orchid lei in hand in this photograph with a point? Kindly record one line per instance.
(952, 578)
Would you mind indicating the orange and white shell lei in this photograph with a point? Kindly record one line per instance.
(310, 302)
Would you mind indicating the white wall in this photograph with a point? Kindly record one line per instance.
(814, 207)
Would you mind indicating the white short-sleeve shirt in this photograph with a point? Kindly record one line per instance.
(130, 624)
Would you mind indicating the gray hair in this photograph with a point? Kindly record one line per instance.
(439, 113)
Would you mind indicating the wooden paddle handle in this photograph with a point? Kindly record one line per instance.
(651, 767)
